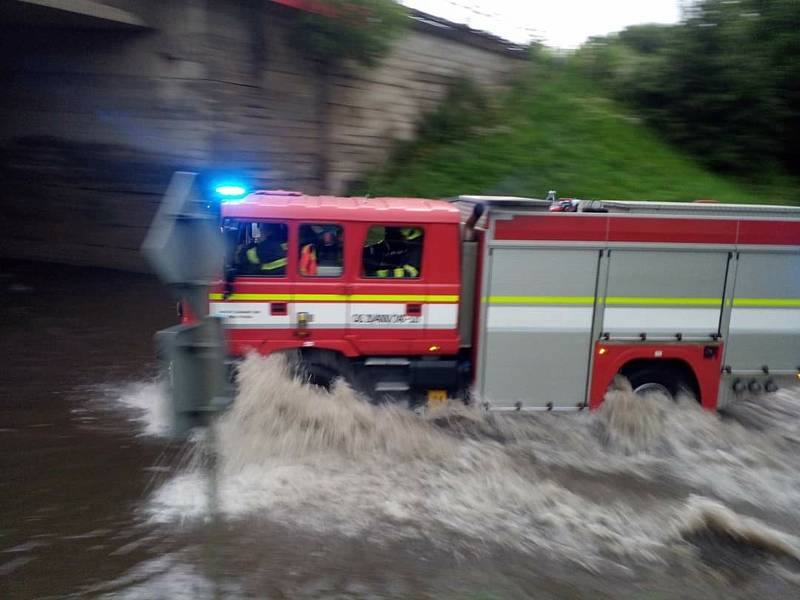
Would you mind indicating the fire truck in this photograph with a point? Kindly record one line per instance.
(520, 304)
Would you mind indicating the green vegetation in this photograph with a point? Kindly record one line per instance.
(557, 130)
(724, 84)
(705, 109)
(358, 30)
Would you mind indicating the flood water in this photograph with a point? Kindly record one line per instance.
(322, 495)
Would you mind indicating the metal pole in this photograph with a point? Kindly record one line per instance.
(213, 504)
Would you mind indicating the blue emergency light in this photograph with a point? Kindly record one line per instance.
(230, 191)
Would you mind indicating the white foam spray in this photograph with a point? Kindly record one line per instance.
(616, 484)
(150, 406)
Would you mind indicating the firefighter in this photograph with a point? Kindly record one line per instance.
(329, 250)
(266, 254)
(308, 260)
(397, 256)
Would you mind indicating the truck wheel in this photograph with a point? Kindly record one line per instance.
(663, 379)
(319, 375)
(652, 387)
(322, 369)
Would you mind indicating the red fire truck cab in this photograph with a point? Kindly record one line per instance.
(368, 290)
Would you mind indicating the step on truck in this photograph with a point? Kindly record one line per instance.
(521, 304)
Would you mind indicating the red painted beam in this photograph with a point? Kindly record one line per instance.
(676, 230)
(313, 6)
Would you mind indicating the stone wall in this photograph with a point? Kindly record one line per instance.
(95, 116)
(373, 108)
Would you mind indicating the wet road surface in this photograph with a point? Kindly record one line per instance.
(326, 497)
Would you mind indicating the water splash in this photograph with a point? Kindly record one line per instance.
(735, 546)
(707, 517)
(613, 485)
(149, 404)
(169, 576)
(631, 424)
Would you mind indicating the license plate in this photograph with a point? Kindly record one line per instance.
(437, 397)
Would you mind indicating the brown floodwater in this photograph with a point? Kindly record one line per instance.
(326, 496)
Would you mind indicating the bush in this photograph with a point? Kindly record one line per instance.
(724, 83)
(359, 30)
(464, 109)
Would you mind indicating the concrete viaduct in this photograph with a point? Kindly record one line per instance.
(101, 101)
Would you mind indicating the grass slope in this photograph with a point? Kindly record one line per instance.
(561, 134)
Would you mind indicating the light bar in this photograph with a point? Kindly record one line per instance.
(230, 190)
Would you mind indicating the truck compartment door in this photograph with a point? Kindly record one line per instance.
(664, 294)
(765, 316)
(537, 331)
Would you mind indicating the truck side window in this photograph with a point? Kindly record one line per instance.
(393, 252)
(321, 250)
(262, 249)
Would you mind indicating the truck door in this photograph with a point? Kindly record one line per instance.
(319, 313)
(256, 313)
(765, 317)
(386, 311)
(538, 326)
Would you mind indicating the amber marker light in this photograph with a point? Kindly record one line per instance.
(602, 351)
(433, 348)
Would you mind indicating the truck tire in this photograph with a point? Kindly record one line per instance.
(665, 379)
(319, 375)
(322, 369)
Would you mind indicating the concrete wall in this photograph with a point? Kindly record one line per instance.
(95, 116)
(373, 108)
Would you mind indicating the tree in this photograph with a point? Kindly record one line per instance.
(357, 30)
(724, 83)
